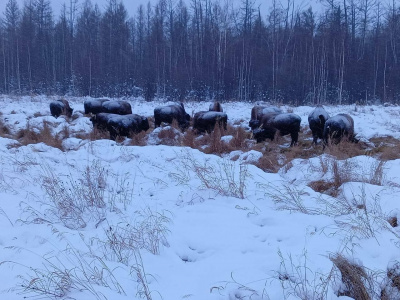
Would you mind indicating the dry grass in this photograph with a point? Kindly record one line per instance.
(170, 135)
(139, 139)
(386, 148)
(393, 222)
(4, 130)
(357, 283)
(346, 149)
(393, 274)
(189, 139)
(31, 135)
(240, 138)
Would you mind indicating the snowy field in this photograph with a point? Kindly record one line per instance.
(104, 220)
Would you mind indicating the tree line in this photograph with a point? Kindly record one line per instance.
(204, 49)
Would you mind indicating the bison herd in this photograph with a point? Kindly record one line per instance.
(266, 122)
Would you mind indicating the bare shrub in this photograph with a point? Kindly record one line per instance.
(148, 231)
(376, 173)
(356, 282)
(72, 199)
(224, 178)
(298, 280)
(68, 270)
(288, 197)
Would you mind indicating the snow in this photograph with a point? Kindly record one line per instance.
(210, 227)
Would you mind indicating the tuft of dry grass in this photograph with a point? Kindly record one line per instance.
(44, 135)
(139, 139)
(189, 139)
(240, 138)
(393, 273)
(346, 149)
(386, 148)
(357, 283)
(170, 135)
(4, 130)
(393, 222)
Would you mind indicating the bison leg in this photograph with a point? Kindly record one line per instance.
(295, 138)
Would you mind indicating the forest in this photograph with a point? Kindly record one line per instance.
(348, 52)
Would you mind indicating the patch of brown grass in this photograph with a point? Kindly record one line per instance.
(44, 135)
(216, 145)
(240, 138)
(189, 138)
(268, 162)
(346, 149)
(386, 148)
(357, 283)
(170, 135)
(139, 139)
(4, 130)
(393, 222)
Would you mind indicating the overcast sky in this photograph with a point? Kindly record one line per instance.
(132, 5)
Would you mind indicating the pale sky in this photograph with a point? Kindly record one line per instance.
(132, 5)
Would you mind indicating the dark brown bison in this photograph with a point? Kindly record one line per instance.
(120, 125)
(172, 112)
(258, 111)
(96, 106)
(117, 107)
(316, 121)
(284, 123)
(60, 107)
(216, 106)
(206, 120)
(337, 127)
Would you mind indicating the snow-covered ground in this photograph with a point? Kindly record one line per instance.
(108, 221)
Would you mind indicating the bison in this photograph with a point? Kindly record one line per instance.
(316, 121)
(337, 127)
(96, 106)
(170, 113)
(285, 123)
(216, 106)
(258, 111)
(117, 107)
(120, 125)
(60, 107)
(205, 121)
